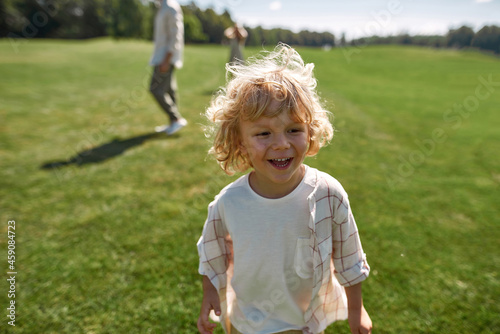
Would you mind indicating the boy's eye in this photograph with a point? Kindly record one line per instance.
(262, 134)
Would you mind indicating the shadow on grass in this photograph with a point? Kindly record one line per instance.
(106, 151)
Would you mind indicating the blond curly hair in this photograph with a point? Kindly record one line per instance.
(279, 75)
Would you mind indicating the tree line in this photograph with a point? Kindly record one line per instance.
(82, 19)
(487, 38)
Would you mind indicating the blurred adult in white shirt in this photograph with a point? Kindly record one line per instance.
(167, 56)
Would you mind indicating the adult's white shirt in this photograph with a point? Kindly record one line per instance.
(168, 34)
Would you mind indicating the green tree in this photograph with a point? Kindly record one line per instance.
(213, 24)
(193, 31)
(404, 39)
(461, 37)
(61, 19)
(429, 40)
(255, 36)
(30, 19)
(79, 19)
(4, 29)
(148, 19)
(488, 38)
(342, 40)
(125, 16)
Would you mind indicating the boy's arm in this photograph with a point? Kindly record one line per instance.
(210, 302)
(359, 320)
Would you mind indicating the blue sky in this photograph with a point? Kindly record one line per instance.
(361, 17)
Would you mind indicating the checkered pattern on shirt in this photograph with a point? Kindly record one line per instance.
(215, 249)
(334, 236)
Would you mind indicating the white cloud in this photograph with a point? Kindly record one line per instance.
(276, 5)
(483, 1)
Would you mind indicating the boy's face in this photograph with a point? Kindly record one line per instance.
(276, 147)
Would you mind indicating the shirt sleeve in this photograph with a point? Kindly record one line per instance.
(174, 28)
(349, 259)
(213, 248)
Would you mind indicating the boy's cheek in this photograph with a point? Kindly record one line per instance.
(251, 150)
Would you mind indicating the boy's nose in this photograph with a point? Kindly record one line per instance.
(280, 142)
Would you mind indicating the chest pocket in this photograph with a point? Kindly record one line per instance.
(303, 258)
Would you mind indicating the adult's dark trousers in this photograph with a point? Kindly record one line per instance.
(163, 87)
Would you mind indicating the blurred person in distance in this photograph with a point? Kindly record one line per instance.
(167, 56)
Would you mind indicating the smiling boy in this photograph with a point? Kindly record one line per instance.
(280, 251)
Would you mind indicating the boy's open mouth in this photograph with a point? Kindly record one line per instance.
(281, 163)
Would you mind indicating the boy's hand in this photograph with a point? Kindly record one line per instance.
(360, 321)
(204, 325)
(210, 302)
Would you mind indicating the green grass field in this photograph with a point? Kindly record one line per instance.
(108, 214)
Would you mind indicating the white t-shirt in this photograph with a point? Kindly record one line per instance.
(270, 238)
(338, 259)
